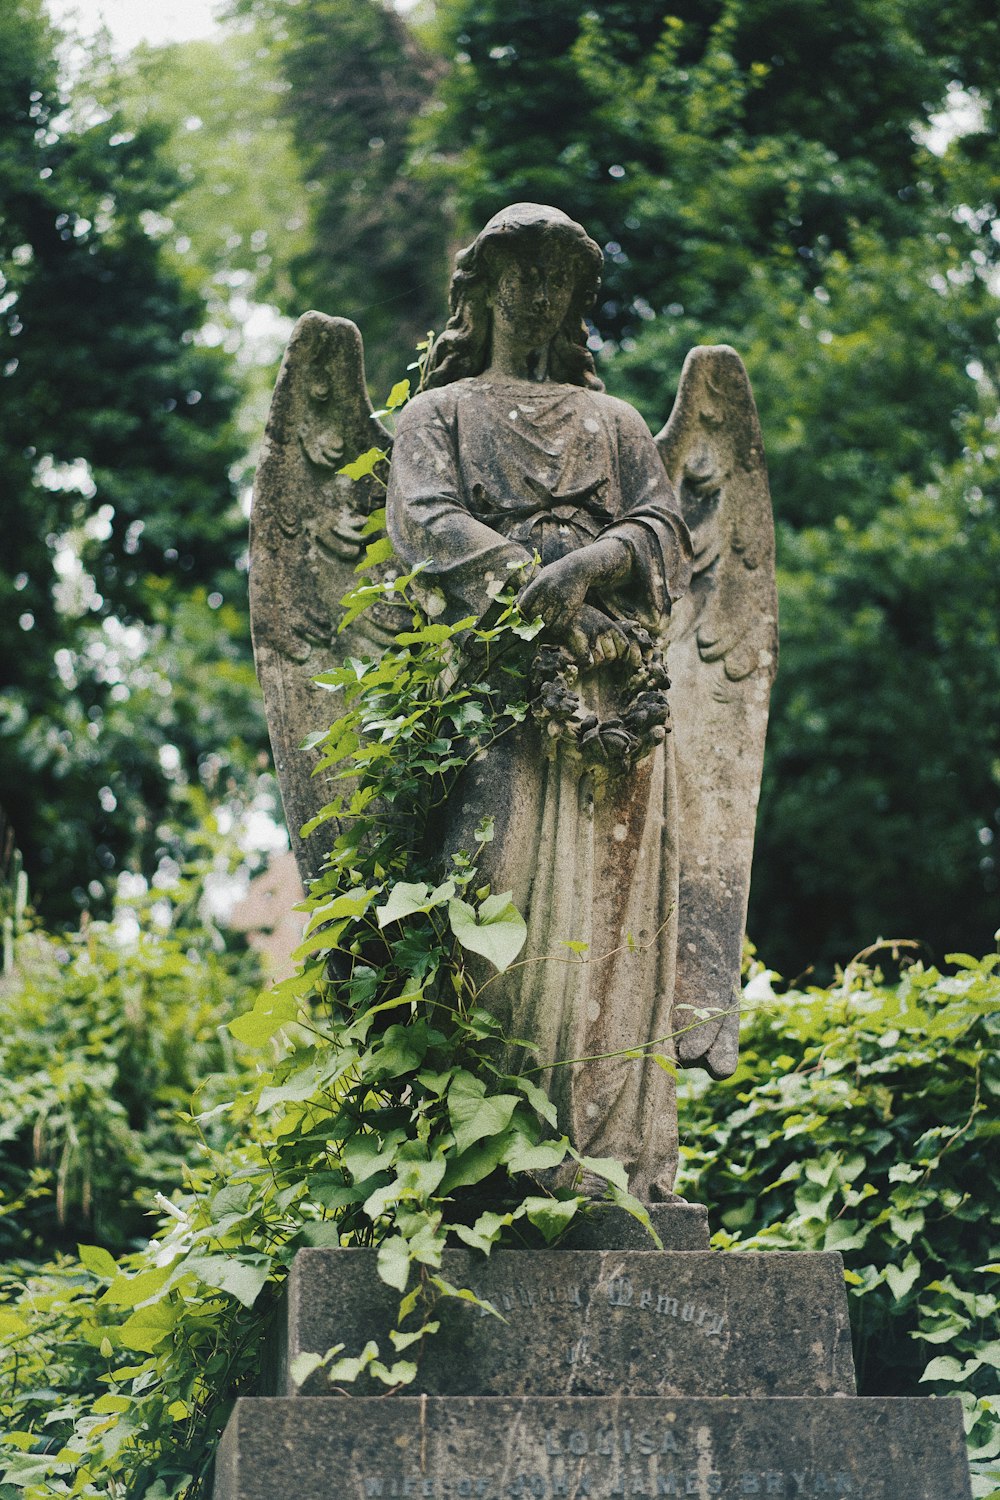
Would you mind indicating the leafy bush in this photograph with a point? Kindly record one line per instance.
(863, 1118)
(858, 1121)
(377, 1114)
(104, 1036)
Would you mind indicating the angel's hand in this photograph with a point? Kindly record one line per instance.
(594, 638)
(559, 591)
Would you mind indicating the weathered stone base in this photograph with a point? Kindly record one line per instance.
(591, 1323)
(593, 1448)
(679, 1225)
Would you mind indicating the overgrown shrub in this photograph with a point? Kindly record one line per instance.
(859, 1121)
(863, 1118)
(105, 1035)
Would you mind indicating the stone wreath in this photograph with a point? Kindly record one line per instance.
(618, 743)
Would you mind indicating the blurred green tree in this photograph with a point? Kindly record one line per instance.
(357, 77)
(817, 186)
(240, 211)
(122, 531)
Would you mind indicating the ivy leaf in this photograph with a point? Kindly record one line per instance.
(498, 932)
(905, 1226)
(99, 1261)
(538, 1099)
(303, 1365)
(415, 1179)
(375, 522)
(522, 1156)
(148, 1327)
(474, 1165)
(486, 1231)
(350, 904)
(398, 396)
(551, 1215)
(403, 1341)
(474, 1115)
(365, 1155)
(401, 1049)
(900, 1279)
(945, 1367)
(605, 1166)
(365, 464)
(294, 1090)
(343, 1371)
(429, 635)
(131, 1291)
(274, 1009)
(637, 1209)
(111, 1403)
(242, 1279)
(408, 897)
(376, 552)
(845, 1234)
(464, 1294)
(323, 1235)
(393, 1262)
(401, 1373)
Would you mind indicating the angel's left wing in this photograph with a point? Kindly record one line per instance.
(305, 541)
(722, 658)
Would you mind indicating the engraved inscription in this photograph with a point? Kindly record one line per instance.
(568, 1482)
(622, 1293)
(627, 1463)
(509, 1298)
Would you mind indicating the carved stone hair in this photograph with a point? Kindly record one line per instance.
(464, 347)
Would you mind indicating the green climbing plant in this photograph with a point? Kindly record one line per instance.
(374, 1109)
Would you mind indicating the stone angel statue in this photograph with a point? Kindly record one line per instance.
(625, 806)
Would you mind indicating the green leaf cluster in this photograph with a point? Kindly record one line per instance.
(123, 536)
(863, 1119)
(379, 1112)
(105, 1035)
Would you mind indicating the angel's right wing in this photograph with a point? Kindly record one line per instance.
(722, 658)
(305, 541)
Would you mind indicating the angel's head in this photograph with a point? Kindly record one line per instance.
(532, 269)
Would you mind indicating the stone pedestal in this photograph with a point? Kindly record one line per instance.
(613, 1374)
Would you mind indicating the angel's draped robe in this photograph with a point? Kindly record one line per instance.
(485, 472)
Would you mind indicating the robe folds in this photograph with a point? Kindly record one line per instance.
(485, 473)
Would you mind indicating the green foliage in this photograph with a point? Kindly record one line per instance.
(104, 1036)
(863, 1119)
(883, 778)
(356, 77)
(379, 1113)
(116, 441)
(763, 175)
(240, 213)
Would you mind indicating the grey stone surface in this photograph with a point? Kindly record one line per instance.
(610, 1448)
(593, 1322)
(723, 656)
(679, 1225)
(305, 541)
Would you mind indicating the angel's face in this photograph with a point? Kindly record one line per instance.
(532, 286)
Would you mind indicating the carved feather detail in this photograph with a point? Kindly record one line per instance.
(305, 540)
(722, 658)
